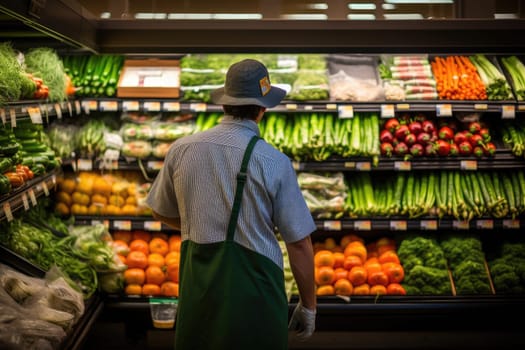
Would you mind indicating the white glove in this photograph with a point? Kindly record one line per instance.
(302, 321)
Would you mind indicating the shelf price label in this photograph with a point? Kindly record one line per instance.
(402, 165)
(58, 111)
(6, 207)
(155, 164)
(468, 165)
(12, 115)
(152, 106)
(297, 165)
(403, 106)
(2, 116)
(481, 106)
(84, 164)
(291, 106)
(460, 224)
(108, 106)
(429, 225)
(331, 106)
(511, 224)
(105, 223)
(171, 106)
(32, 196)
(363, 166)
(152, 225)
(124, 225)
(346, 111)
(35, 114)
(308, 108)
(332, 225)
(89, 105)
(25, 201)
(508, 112)
(398, 225)
(44, 187)
(198, 107)
(363, 225)
(444, 110)
(130, 106)
(387, 111)
(485, 224)
(349, 165)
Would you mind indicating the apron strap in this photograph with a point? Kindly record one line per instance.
(241, 180)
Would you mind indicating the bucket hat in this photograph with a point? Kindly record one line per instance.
(248, 83)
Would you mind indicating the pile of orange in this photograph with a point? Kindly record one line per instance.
(153, 262)
(355, 268)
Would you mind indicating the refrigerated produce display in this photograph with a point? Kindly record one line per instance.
(411, 161)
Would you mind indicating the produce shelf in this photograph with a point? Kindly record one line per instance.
(38, 111)
(125, 223)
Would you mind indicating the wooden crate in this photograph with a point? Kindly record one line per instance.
(149, 78)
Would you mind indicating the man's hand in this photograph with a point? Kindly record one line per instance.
(303, 322)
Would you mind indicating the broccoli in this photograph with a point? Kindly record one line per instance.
(458, 249)
(428, 280)
(513, 250)
(469, 285)
(426, 249)
(508, 272)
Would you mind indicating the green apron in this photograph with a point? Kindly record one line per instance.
(230, 296)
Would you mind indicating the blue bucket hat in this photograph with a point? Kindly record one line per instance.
(248, 83)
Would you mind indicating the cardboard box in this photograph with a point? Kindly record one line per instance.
(149, 78)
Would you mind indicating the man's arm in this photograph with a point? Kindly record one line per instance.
(301, 256)
(172, 222)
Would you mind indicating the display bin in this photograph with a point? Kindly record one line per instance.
(150, 78)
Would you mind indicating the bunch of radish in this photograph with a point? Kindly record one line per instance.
(415, 136)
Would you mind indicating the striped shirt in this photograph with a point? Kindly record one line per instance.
(198, 180)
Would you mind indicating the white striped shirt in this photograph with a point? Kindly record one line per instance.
(198, 180)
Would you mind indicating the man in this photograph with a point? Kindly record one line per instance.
(232, 293)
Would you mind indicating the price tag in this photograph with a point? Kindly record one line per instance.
(124, 225)
(511, 224)
(349, 165)
(54, 179)
(468, 165)
(69, 109)
(429, 225)
(32, 196)
(25, 201)
(104, 223)
(152, 106)
(508, 112)
(12, 115)
(152, 225)
(346, 111)
(35, 115)
(198, 107)
(444, 110)
(171, 106)
(89, 105)
(402, 165)
(403, 106)
(332, 225)
(363, 166)
(521, 107)
(58, 111)
(308, 108)
(481, 106)
(331, 106)
(108, 106)
(155, 164)
(78, 110)
(291, 106)
(84, 164)
(44, 187)
(7, 211)
(130, 106)
(387, 111)
(398, 225)
(2, 115)
(460, 224)
(487, 224)
(362, 225)
(297, 165)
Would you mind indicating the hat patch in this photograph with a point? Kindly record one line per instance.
(265, 86)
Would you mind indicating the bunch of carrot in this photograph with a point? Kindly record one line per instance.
(457, 79)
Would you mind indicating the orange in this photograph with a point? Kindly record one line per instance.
(155, 259)
(326, 289)
(139, 245)
(137, 258)
(324, 257)
(389, 256)
(349, 238)
(363, 289)
(324, 275)
(151, 289)
(134, 276)
(169, 289)
(357, 275)
(343, 287)
(339, 273)
(158, 245)
(330, 243)
(378, 289)
(144, 235)
(339, 259)
(172, 273)
(123, 236)
(385, 244)
(356, 248)
(155, 275)
(394, 271)
(351, 261)
(172, 258)
(377, 277)
(174, 242)
(133, 289)
(162, 235)
(395, 289)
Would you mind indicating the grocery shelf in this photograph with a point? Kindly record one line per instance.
(38, 111)
(125, 223)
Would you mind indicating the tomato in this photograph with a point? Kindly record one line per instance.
(474, 127)
(391, 125)
(490, 149)
(395, 289)
(443, 147)
(394, 272)
(387, 149)
(386, 136)
(446, 133)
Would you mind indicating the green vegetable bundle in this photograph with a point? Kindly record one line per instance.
(11, 75)
(45, 63)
